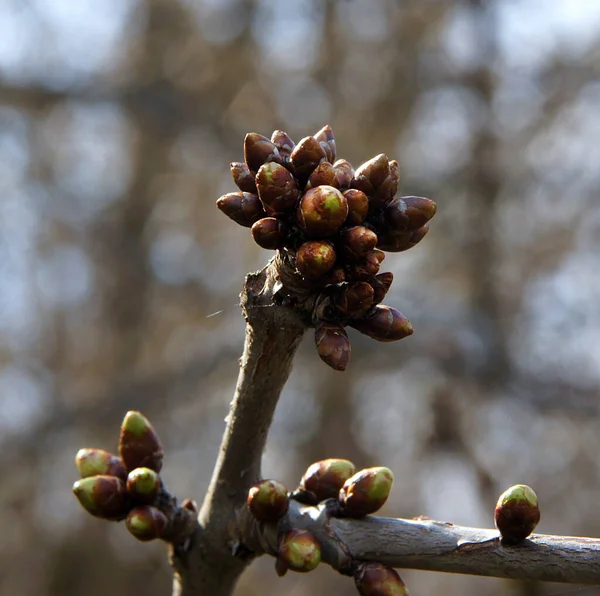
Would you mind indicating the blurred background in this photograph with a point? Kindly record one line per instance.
(119, 279)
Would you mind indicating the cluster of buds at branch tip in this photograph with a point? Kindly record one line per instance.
(375, 579)
(517, 514)
(268, 501)
(332, 222)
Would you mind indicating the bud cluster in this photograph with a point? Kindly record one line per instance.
(125, 486)
(332, 223)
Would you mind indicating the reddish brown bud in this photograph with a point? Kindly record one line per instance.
(354, 299)
(335, 276)
(344, 173)
(146, 523)
(375, 579)
(327, 141)
(268, 500)
(364, 269)
(517, 513)
(284, 143)
(325, 478)
(375, 179)
(269, 232)
(96, 462)
(366, 491)
(358, 206)
(277, 189)
(315, 258)
(333, 345)
(396, 216)
(381, 285)
(103, 496)
(357, 242)
(384, 323)
(322, 211)
(379, 255)
(323, 174)
(259, 150)
(139, 444)
(242, 176)
(401, 242)
(419, 211)
(143, 484)
(243, 207)
(299, 550)
(306, 156)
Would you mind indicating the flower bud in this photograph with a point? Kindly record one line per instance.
(259, 150)
(96, 462)
(365, 269)
(325, 478)
(419, 211)
(143, 484)
(396, 216)
(379, 255)
(269, 233)
(358, 206)
(356, 242)
(139, 444)
(322, 211)
(517, 513)
(299, 550)
(243, 207)
(381, 285)
(242, 176)
(323, 174)
(146, 523)
(333, 345)
(403, 241)
(375, 579)
(277, 189)
(102, 496)
(344, 173)
(327, 141)
(366, 491)
(354, 299)
(315, 258)
(375, 180)
(284, 143)
(268, 500)
(384, 323)
(305, 157)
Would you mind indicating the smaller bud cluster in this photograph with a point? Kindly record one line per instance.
(517, 514)
(331, 223)
(125, 486)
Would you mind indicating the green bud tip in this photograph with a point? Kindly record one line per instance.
(300, 550)
(136, 423)
(143, 481)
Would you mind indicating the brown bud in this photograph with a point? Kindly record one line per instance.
(394, 175)
(419, 211)
(327, 140)
(384, 323)
(103, 496)
(143, 484)
(354, 299)
(333, 345)
(375, 179)
(306, 156)
(325, 478)
(243, 207)
(139, 444)
(517, 513)
(375, 579)
(259, 150)
(322, 174)
(284, 143)
(381, 285)
(344, 173)
(96, 462)
(242, 176)
(268, 500)
(322, 211)
(269, 233)
(396, 216)
(364, 269)
(315, 258)
(401, 242)
(357, 242)
(379, 255)
(146, 523)
(366, 491)
(277, 189)
(335, 276)
(358, 206)
(299, 550)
